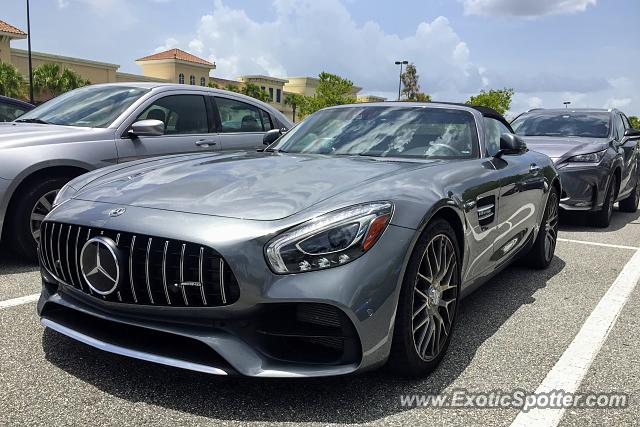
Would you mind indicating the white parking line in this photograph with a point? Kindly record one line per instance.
(606, 245)
(19, 301)
(568, 372)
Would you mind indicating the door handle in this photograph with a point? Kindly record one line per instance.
(534, 169)
(205, 142)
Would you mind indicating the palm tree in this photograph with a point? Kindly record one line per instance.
(50, 80)
(294, 100)
(11, 81)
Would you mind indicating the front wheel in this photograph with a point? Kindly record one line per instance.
(630, 204)
(602, 218)
(428, 302)
(544, 247)
(29, 212)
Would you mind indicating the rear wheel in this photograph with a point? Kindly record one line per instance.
(544, 247)
(428, 302)
(630, 204)
(29, 211)
(602, 218)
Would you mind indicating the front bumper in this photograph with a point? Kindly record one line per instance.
(583, 187)
(329, 322)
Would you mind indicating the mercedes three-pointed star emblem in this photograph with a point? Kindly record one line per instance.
(99, 264)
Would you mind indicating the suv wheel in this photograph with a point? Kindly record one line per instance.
(630, 204)
(29, 211)
(602, 218)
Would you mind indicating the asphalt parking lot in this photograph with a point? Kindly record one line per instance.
(511, 333)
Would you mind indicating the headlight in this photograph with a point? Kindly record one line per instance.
(329, 240)
(588, 158)
(63, 195)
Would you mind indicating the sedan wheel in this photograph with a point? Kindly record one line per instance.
(435, 296)
(40, 210)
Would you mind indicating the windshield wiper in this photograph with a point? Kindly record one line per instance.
(36, 120)
(274, 150)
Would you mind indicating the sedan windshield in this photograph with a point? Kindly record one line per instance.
(570, 124)
(379, 131)
(90, 106)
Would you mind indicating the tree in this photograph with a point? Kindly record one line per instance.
(213, 85)
(50, 80)
(256, 92)
(410, 86)
(634, 121)
(11, 81)
(332, 90)
(423, 97)
(232, 88)
(294, 100)
(498, 99)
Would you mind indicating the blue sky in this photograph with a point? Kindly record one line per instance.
(584, 51)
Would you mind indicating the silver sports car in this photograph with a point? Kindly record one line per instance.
(344, 245)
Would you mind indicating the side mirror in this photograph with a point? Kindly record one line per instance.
(511, 144)
(147, 128)
(271, 136)
(632, 133)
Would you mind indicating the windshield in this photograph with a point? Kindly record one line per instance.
(90, 106)
(571, 124)
(416, 132)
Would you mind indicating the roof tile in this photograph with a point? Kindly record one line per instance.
(176, 54)
(7, 28)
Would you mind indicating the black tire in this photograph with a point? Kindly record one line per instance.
(20, 231)
(544, 247)
(630, 204)
(405, 358)
(602, 218)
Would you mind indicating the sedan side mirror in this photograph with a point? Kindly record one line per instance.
(147, 128)
(271, 136)
(511, 144)
(632, 133)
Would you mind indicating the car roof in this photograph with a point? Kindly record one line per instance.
(570, 110)
(16, 102)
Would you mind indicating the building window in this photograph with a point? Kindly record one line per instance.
(278, 95)
(202, 81)
(192, 79)
(181, 78)
(271, 94)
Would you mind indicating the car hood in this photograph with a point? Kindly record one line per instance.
(259, 186)
(14, 134)
(560, 149)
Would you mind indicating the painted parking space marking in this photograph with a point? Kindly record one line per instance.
(571, 368)
(19, 301)
(606, 245)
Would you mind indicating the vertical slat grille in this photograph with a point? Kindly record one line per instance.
(153, 271)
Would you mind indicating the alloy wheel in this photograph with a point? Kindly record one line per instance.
(551, 226)
(434, 297)
(39, 211)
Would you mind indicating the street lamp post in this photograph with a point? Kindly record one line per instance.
(400, 63)
(29, 47)
(566, 104)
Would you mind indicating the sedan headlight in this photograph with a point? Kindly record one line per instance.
(65, 193)
(329, 240)
(588, 158)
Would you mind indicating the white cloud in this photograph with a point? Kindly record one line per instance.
(535, 102)
(63, 3)
(525, 7)
(617, 102)
(169, 43)
(308, 37)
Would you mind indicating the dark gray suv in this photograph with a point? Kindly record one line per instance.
(102, 125)
(597, 153)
